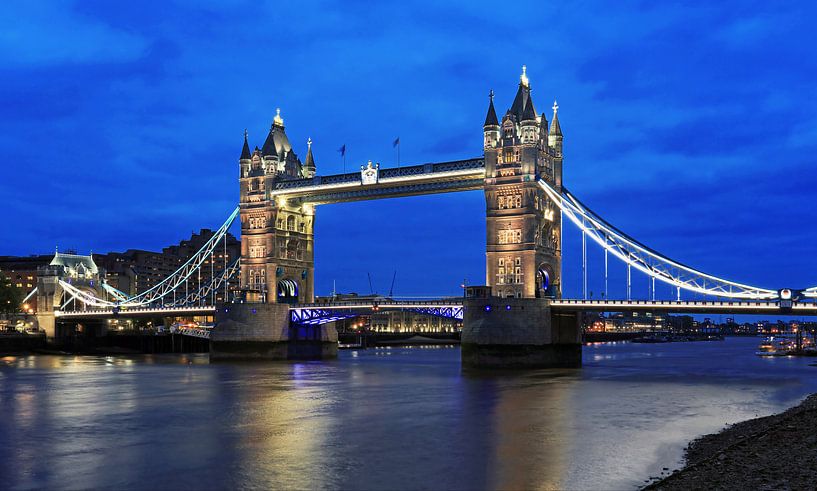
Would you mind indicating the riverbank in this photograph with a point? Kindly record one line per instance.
(774, 452)
(13, 343)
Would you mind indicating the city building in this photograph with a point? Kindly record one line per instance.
(137, 270)
(134, 270)
(22, 271)
(392, 321)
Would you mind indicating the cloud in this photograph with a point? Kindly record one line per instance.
(52, 34)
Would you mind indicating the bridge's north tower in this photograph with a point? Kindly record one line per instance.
(524, 239)
(277, 258)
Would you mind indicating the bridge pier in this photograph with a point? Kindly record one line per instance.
(519, 333)
(262, 331)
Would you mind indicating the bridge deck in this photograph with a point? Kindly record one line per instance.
(366, 306)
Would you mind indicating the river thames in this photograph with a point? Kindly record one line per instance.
(399, 418)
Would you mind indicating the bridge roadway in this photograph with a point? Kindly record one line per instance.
(452, 307)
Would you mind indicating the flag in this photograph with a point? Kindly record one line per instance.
(396, 142)
(342, 150)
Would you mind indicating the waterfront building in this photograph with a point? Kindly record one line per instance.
(22, 271)
(137, 270)
(392, 321)
(134, 270)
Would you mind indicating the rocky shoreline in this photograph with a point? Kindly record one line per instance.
(774, 452)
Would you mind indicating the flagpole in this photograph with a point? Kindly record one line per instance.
(398, 154)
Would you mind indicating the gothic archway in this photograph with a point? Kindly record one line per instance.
(287, 291)
(544, 286)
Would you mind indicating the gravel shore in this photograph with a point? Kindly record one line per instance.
(775, 452)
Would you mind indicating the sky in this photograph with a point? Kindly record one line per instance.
(692, 126)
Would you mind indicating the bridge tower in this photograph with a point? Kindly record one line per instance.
(277, 257)
(523, 249)
(524, 241)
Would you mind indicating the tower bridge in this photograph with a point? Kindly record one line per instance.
(518, 314)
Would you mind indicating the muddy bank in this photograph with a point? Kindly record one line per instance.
(774, 452)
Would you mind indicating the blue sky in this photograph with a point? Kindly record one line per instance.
(691, 126)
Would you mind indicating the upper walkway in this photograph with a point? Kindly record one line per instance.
(442, 177)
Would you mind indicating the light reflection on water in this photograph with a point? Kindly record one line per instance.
(397, 418)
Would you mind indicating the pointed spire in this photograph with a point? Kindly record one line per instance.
(529, 113)
(522, 99)
(245, 150)
(555, 127)
(490, 118)
(277, 143)
(309, 162)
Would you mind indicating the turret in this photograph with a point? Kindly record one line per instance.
(309, 165)
(543, 128)
(491, 126)
(555, 134)
(246, 156)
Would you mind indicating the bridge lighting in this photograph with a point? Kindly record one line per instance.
(281, 201)
(507, 307)
(487, 308)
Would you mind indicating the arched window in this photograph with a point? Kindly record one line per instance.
(291, 223)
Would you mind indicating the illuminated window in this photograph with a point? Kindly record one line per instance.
(501, 202)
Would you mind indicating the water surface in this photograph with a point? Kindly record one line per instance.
(400, 418)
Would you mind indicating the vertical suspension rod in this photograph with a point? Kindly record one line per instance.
(629, 281)
(606, 293)
(584, 263)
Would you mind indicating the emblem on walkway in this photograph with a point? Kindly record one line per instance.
(369, 174)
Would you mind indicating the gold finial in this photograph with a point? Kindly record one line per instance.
(555, 107)
(278, 120)
(309, 142)
(491, 95)
(523, 79)
(245, 133)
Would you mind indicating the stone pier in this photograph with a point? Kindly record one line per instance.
(262, 331)
(519, 333)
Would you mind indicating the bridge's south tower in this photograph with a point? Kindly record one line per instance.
(277, 259)
(524, 240)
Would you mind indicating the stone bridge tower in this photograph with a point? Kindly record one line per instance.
(277, 257)
(524, 239)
